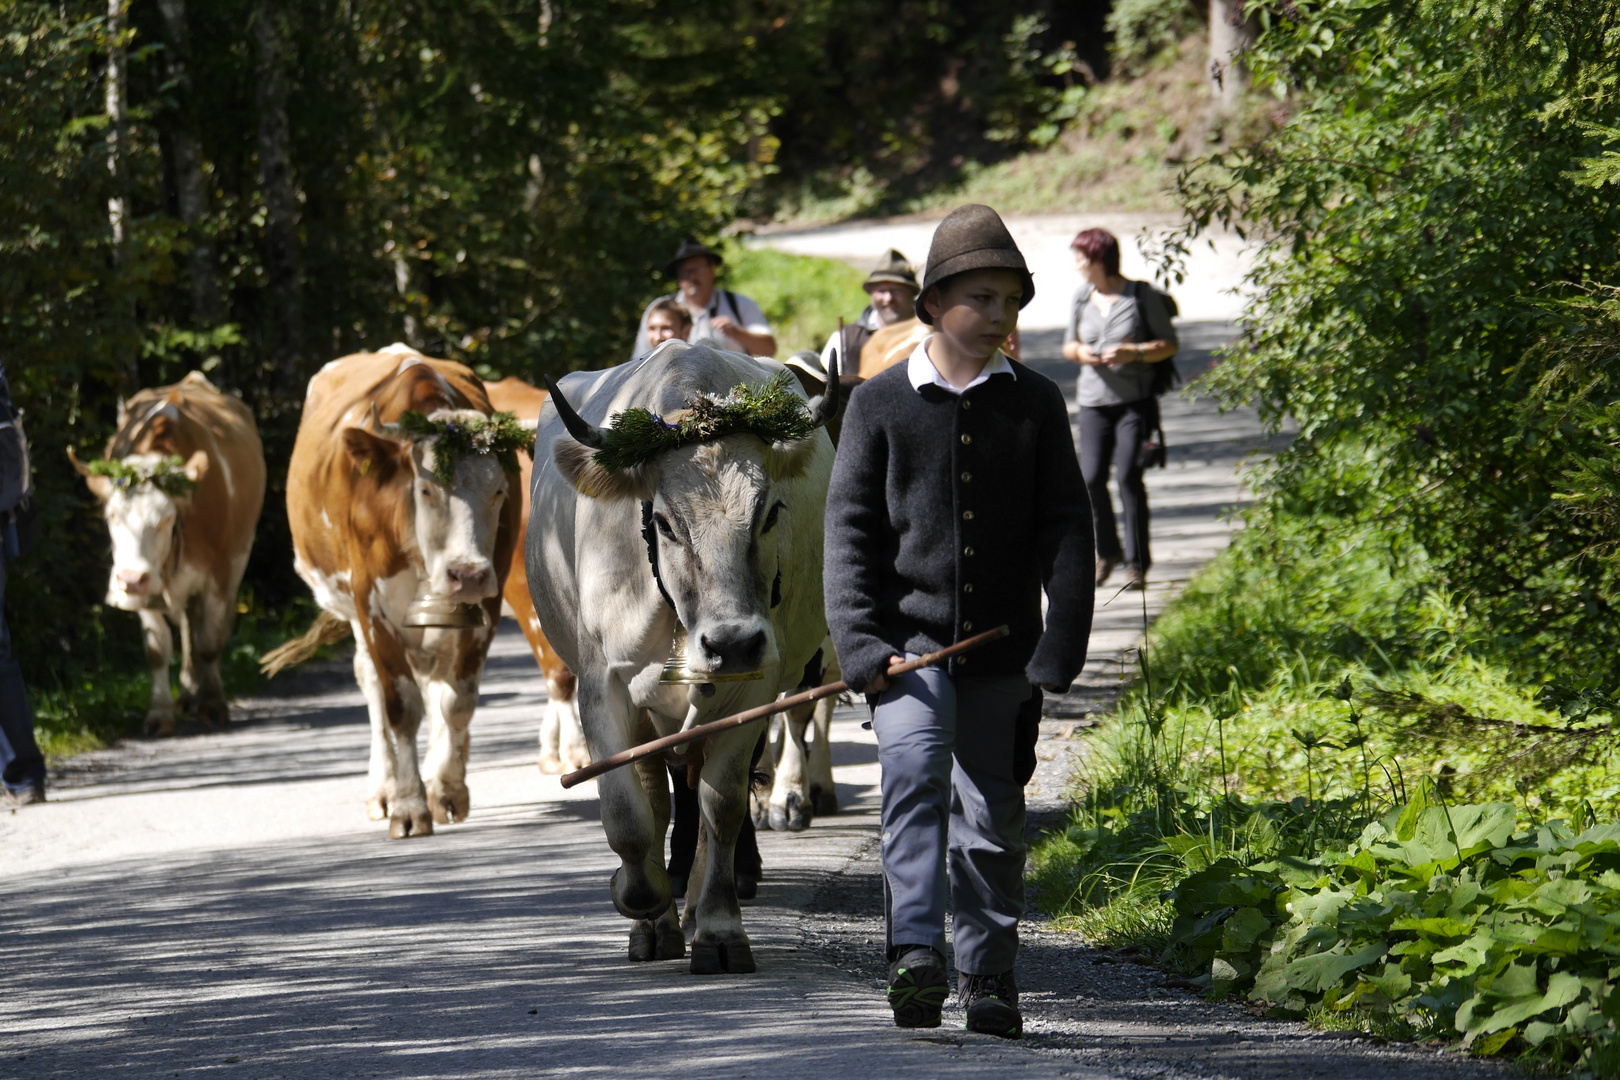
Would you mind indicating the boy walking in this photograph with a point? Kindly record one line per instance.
(955, 498)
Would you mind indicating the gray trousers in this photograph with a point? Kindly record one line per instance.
(21, 764)
(953, 815)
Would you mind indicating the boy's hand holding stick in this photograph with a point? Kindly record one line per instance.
(658, 746)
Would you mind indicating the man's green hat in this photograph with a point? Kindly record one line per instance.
(893, 268)
(690, 247)
(973, 237)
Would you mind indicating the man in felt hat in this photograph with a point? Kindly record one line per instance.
(892, 285)
(955, 500)
(731, 319)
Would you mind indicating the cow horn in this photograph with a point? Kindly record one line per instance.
(583, 433)
(824, 406)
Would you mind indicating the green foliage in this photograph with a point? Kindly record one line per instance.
(501, 434)
(1144, 28)
(168, 475)
(803, 297)
(771, 412)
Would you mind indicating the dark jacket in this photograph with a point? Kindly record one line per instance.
(945, 518)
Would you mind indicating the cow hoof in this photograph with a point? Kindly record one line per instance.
(405, 822)
(450, 803)
(747, 888)
(551, 766)
(210, 713)
(651, 940)
(377, 807)
(824, 801)
(637, 899)
(159, 724)
(710, 957)
(792, 816)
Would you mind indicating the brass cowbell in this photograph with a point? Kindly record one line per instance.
(440, 611)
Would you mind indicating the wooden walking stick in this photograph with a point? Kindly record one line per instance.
(714, 727)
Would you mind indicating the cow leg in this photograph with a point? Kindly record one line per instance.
(203, 631)
(393, 779)
(570, 732)
(790, 807)
(640, 885)
(160, 715)
(719, 943)
(450, 706)
(380, 775)
(823, 792)
(660, 938)
(550, 737)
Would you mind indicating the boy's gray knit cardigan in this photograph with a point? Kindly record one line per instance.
(946, 517)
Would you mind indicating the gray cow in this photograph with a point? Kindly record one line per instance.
(735, 526)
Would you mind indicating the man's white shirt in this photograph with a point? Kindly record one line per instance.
(735, 306)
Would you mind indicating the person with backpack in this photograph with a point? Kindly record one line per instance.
(22, 766)
(733, 320)
(1121, 335)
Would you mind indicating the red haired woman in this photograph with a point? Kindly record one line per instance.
(1117, 330)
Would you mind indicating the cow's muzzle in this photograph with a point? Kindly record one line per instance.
(731, 647)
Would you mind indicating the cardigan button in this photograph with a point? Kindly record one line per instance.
(967, 625)
(967, 515)
(968, 551)
(967, 440)
(966, 404)
(960, 660)
(968, 587)
(967, 478)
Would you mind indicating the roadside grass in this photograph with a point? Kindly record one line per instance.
(802, 296)
(93, 705)
(1328, 794)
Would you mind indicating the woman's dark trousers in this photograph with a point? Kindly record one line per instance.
(1112, 434)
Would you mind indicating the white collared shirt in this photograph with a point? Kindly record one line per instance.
(922, 372)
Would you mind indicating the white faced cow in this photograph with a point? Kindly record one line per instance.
(374, 527)
(734, 526)
(181, 485)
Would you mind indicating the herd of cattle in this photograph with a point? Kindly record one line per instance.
(400, 501)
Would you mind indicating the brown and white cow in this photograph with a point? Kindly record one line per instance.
(562, 740)
(373, 529)
(181, 485)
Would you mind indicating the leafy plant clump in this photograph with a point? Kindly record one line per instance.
(1448, 917)
(167, 475)
(771, 411)
(501, 434)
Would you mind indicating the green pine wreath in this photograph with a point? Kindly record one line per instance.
(500, 434)
(168, 475)
(770, 411)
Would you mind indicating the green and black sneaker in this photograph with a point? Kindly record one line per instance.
(991, 1004)
(917, 987)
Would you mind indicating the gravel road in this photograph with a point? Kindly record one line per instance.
(217, 904)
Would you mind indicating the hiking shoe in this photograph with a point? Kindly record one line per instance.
(16, 797)
(917, 987)
(1105, 567)
(1135, 578)
(991, 1004)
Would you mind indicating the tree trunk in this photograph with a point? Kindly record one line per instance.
(117, 139)
(281, 251)
(191, 187)
(1231, 30)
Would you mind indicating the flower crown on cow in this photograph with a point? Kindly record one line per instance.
(500, 434)
(771, 411)
(168, 475)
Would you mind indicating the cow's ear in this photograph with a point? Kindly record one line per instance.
(577, 463)
(790, 460)
(197, 466)
(376, 456)
(100, 486)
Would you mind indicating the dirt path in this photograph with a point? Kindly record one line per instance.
(218, 903)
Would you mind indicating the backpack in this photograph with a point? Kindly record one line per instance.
(1165, 375)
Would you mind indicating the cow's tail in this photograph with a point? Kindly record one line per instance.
(327, 629)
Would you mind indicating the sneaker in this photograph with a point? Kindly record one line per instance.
(917, 987)
(1105, 567)
(991, 1004)
(16, 797)
(1135, 577)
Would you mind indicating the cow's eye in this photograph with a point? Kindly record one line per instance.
(770, 518)
(663, 526)
(425, 489)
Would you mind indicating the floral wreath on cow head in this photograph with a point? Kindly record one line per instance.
(500, 434)
(770, 411)
(167, 475)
